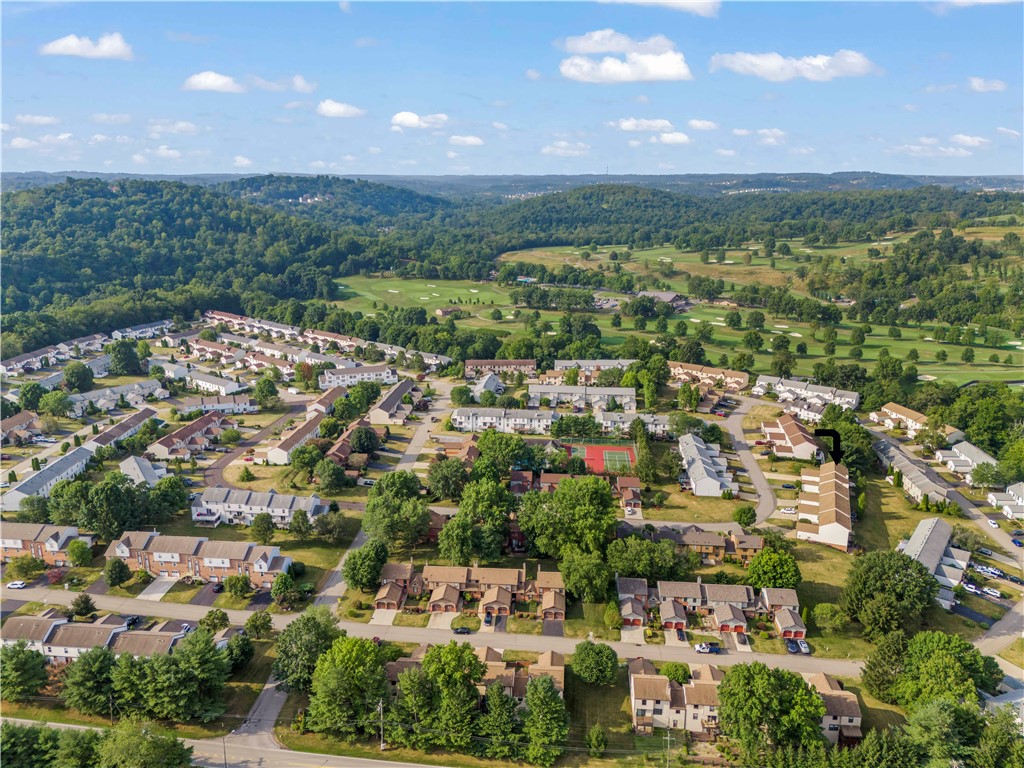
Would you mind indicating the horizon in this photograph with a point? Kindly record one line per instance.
(463, 89)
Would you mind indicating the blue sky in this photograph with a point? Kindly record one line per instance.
(500, 88)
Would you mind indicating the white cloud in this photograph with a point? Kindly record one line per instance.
(56, 138)
(968, 141)
(928, 140)
(302, 85)
(635, 143)
(166, 153)
(1009, 132)
(641, 124)
(703, 125)
(705, 8)
(725, 152)
(296, 104)
(675, 137)
(5, 127)
(20, 142)
(499, 126)
(348, 158)
(948, 5)
(653, 59)
(110, 46)
(451, 154)
(930, 150)
(981, 85)
(642, 99)
(212, 81)
(402, 120)
(532, 74)
(802, 151)
(268, 85)
(241, 161)
(374, 150)
(318, 164)
(940, 87)
(105, 118)
(466, 141)
(778, 68)
(158, 128)
(36, 119)
(98, 138)
(345, 6)
(740, 132)
(566, 149)
(139, 158)
(771, 137)
(610, 41)
(123, 140)
(332, 108)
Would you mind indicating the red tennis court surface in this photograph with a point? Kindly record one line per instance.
(613, 459)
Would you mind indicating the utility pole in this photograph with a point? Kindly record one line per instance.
(111, 708)
(380, 712)
(668, 745)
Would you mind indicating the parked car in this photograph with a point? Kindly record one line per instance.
(992, 592)
(1015, 579)
(708, 648)
(992, 524)
(766, 453)
(971, 588)
(1017, 542)
(16, 585)
(759, 442)
(488, 619)
(5, 484)
(805, 649)
(186, 628)
(247, 458)
(789, 486)
(369, 482)
(376, 641)
(131, 621)
(218, 587)
(461, 630)
(1017, 532)
(985, 552)
(741, 639)
(792, 647)
(681, 634)
(788, 510)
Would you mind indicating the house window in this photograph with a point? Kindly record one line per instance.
(833, 727)
(657, 710)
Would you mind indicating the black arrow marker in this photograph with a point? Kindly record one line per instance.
(836, 451)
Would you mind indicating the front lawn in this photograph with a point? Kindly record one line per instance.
(229, 602)
(350, 606)
(608, 705)
(877, 714)
(469, 620)
(524, 626)
(77, 579)
(131, 588)
(411, 619)
(1014, 653)
(180, 592)
(582, 619)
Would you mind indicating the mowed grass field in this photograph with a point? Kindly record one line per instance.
(361, 292)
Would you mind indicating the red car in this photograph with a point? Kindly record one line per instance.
(759, 442)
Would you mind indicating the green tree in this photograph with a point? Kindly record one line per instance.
(447, 478)
(455, 541)
(880, 615)
(239, 651)
(24, 568)
(237, 585)
(884, 667)
(300, 527)
(892, 573)
(745, 515)
(347, 683)
(115, 505)
(461, 395)
(246, 475)
(124, 358)
(88, 683)
(945, 732)
(116, 572)
(503, 449)
(773, 568)
(676, 671)
(29, 395)
(454, 671)
(762, 707)
(168, 496)
(230, 436)
(829, 618)
(753, 341)
(363, 565)
(33, 509)
(585, 574)
(22, 672)
(283, 589)
(305, 459)
(265, 393)
(137, 744)
(330, 475)
(263, 529)
(412, 716)
(546, 726)
(941, 665)
(967, 355)
(301, 643)
(215, 620)
(580, 512)
(55, 403)
(400, 485)
(500, 725)
(259, 624)
(78, 377)
(595, 663)
(364, 440)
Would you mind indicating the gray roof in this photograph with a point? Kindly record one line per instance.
(973, 454)
(928, 542)
(393, 398)
(216, 496)
(215, 381)
(698, 462)
(508, 413)
(144, 387)
(111, 435)
(139, 470)
(32, 485)
(565, 389)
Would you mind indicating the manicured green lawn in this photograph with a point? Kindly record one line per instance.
(131, 588)
(470, 620)
(609, 706)
(412, 619)
(347, 606)
(583, 618)
(876, 714)
(229, 602)
(524, 626)
(360, 293)
(1014, 653)
(181, 593)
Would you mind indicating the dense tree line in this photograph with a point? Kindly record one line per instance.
(130, 744)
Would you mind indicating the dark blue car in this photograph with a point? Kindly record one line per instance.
(1017, 542)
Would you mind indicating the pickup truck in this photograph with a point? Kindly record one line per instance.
(708, 648)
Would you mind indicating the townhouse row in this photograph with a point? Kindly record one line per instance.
(538, 422)
(583, 397)
(824, 509)
(814, 394)
(704, 468)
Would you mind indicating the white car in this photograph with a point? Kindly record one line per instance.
(993, 524)
(991, 592)
(788, 510)
(16, 585)
(971, 588)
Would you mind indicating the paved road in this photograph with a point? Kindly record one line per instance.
(418, 441)
(213, 475)
(733, 423)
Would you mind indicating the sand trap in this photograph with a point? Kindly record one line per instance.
(1016, 343)
(424, 298)
(665, 259)
(473, 290)
(925, 377)
(431, 286)
(392, 290)
(717, 323)
(782, 326)
(719, 318)
(797, 335)
(928, 338)
(728, 261)
(552, 333)
(435, 294)
(694, 320)
(807, 250)
(777, 333)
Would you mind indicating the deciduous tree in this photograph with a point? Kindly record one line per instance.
(300, 645)
(347, 683)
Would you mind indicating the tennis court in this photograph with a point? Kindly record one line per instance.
(613, 459)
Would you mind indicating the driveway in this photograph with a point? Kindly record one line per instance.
(160, 587)
(10, 606)
(206, 596)
(733, 423)
(260, 601)
(213, 475)
(553, 628)
(633, 635)
(497, 625)
(441, 620)
(672, 640)
(383, 617)
(975, 616)
(98, 587)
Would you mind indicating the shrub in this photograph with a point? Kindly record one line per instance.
(54, 575)
(763, 635)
